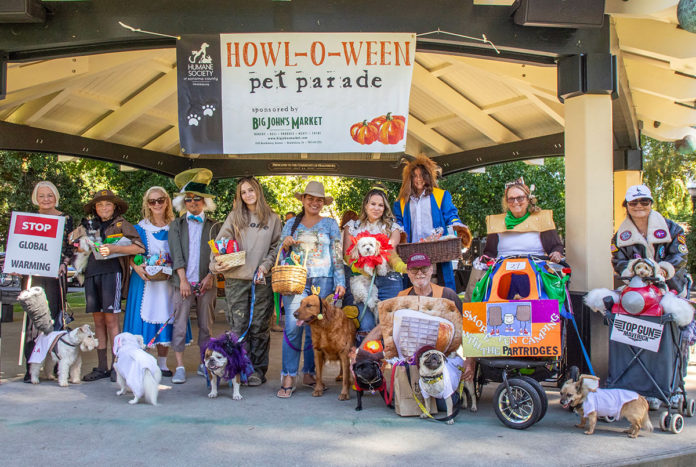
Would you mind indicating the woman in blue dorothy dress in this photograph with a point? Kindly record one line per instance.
(149, 303)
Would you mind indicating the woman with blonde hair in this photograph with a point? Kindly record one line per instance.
(45, 197)
(149, 304)
(256, 229)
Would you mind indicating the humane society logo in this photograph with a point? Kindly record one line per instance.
(200, 67)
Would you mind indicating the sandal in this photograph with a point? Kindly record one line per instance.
(285, 392)
(309, 380)
(97, 373)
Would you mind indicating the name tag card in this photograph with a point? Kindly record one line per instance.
(637, 332)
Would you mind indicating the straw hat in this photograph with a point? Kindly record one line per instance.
(315, 189)
(194, 181)
(106, 195)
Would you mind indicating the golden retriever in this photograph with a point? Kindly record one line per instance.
(333, 334)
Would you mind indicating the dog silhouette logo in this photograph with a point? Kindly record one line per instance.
(200, 55)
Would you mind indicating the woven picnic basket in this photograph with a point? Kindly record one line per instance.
(287, 279)
(160, 275)
(237, 258)
(439, 251)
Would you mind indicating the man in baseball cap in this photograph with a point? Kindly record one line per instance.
(420, 271)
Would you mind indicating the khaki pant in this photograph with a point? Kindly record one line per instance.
(182, 308)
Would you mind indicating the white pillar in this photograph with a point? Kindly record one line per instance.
(589, 190)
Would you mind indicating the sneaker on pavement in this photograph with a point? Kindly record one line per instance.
(179, 375)
(255, 380)
(201, 370)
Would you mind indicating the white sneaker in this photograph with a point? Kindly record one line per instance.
(201, 370)
(179, 375)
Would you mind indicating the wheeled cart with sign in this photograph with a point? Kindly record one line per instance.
(655, 367)
(514, 328)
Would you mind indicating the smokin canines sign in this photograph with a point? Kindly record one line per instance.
(34, 244)
(294, 92)
(511, 329)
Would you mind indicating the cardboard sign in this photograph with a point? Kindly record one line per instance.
(294, 92)
(636, 332)
(529, 328)
(34, 244)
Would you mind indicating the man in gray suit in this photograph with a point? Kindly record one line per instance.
(190, 252)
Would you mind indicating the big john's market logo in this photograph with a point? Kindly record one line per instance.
(200, 64)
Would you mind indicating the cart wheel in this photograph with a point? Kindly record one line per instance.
(665, 420)
(608, 419)
(542, 394)
(690, 407)
(676, 424)
(478, 381)
(520, 407)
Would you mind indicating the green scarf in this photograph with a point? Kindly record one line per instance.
(511, 221)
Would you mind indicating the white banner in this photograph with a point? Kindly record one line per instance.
(34, 244)
(295, 92)
(636, 332)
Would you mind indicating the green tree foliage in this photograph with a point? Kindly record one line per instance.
(478, 195)
(666, 172)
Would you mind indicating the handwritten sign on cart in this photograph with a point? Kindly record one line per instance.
(636, 332)
(34, 244)
(530, 328)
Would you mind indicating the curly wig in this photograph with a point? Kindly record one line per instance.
(430, 171)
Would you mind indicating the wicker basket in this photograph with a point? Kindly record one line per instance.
(231, 259)
(157, 273)
(288, 279)
(439, 251)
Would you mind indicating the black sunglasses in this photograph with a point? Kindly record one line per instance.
(195, 198)
(152, 202)
(642, 202)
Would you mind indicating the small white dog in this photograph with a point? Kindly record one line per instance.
(66, 350)
(367, 247)
(136, 369)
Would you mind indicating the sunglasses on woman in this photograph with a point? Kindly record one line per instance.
(642, 202)
(517, 199)
(155, 201)
(195, 198)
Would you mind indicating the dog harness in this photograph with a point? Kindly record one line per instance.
(608, 402)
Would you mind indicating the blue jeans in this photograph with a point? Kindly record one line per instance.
(293, 333)
(387, 287)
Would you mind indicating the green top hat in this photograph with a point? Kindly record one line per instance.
(194, 181)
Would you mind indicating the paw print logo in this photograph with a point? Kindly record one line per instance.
(208, 110)
(193, 119)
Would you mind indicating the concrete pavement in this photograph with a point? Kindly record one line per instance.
(88, 424)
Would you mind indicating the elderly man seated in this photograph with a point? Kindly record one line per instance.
(420, 270)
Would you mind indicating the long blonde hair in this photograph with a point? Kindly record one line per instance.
(240, 214)
(168, 212)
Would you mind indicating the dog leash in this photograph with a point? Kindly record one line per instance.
(251, 306)
(577, 331)
(369, 291)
